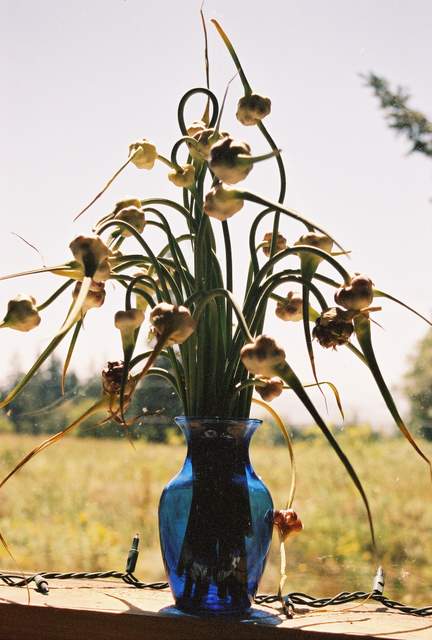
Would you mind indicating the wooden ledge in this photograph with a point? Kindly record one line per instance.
(85, 609)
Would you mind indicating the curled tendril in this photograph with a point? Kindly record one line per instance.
(186, 97)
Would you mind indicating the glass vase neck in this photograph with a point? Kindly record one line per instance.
(235, 429)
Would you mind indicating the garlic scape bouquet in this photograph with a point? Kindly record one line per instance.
(218, 350)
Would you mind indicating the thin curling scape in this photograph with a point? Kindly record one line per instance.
(168, 264)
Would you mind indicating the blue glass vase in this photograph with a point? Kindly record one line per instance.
(215, 519)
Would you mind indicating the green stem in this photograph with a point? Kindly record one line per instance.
(55, 295)
(287, 374)
(251, 197)
(185, 98)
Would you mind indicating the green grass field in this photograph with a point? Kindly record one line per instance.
(77, 505)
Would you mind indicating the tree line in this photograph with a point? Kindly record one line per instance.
(42, 409)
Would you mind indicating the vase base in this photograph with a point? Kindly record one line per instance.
(213, 604)
(211, 609)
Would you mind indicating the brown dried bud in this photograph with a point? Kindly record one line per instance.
(92, 255)
(22, 314)
(357, 295)
(173, 322)
(262, 356)
(287, 521)
(205, 138)
(252, 108)
(183, 176)
(95, 296)
(144, 154)
(272, 389)
(291, 308)
(230, 160)
(281, 243)
(133, 216)
(333, 327)
(222, 202)
(112, 379)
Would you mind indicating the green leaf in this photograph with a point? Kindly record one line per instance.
(288, 375)
(363, 333)
(382, 294)
(69, 354)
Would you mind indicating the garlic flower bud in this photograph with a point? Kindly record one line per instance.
(272, 389)
(205, 138)
(281, 243)
(290, 309)
(230, 160)
(92, 255)
(222, 202)
(315, 239)
(287, 521)
(173, 322)
(196, 127)
(333, 327)
(263, 356)
(95, 296)
(134, 216)
(124, 204)
(252, 108)
(357, 295)
(183, 176)
(144, 154)
(128, 322)
(22, 314)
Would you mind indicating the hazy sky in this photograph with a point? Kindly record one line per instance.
(83, 79)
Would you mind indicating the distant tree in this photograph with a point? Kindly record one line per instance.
(154, 399)
(37, 409)
(418, 386)
(41, 408)
(415, 125)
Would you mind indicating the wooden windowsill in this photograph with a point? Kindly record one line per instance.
(81, 610)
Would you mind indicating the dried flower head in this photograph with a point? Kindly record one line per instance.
(222, 202)
(287, 522)
(92, 255)
(95, 296)
(112, 377)
(172, 321)
(272, 388)
(144, 154)
(333, 327)
(230, 160)
(291, 308)
(281, 243)
(263, 356)
(252, 108)
(184, 176)
(22, 314)
(357, 295)
(134, 216)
